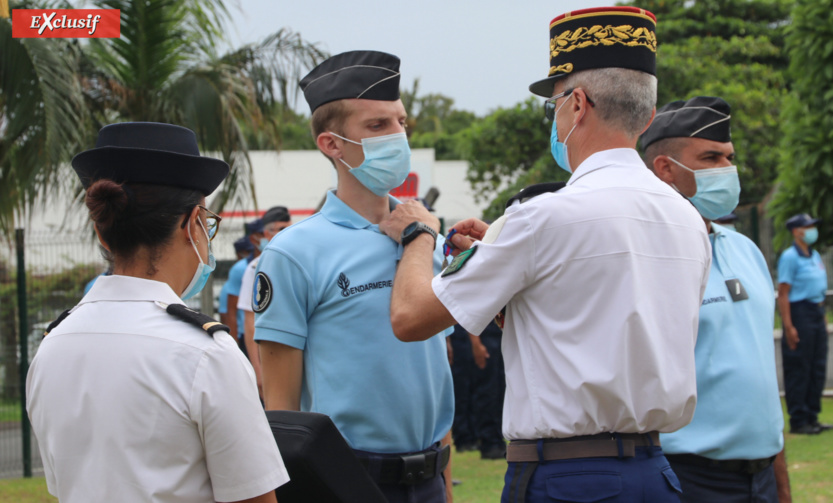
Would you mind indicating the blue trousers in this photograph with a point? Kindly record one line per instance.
(805, 366)
(701, 483)
(645, 478)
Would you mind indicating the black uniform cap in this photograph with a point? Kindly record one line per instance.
(369, 75)
(275, 214)
(700, 117)
(149, 152)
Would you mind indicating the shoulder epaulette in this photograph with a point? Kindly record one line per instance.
(527, 193)
(201, 320)
(57, 322)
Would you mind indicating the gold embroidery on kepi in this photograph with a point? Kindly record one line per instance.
(609, 35)
(604, 37)
(567, 68)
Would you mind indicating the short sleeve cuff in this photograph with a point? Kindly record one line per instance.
(460, 314)
(281, 337)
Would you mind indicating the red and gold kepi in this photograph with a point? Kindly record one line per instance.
(603, 37)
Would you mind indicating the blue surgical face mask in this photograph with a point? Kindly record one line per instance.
(387, 162)
(262, 244)
(203, 270)
(718, 190)
(810, 236)
(559, 149)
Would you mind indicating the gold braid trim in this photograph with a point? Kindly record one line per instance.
(583, 37)
(566, 68)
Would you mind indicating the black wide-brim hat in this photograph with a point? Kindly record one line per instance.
(603, 37)
(149, 152)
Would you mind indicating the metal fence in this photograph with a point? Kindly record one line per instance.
(58, 267)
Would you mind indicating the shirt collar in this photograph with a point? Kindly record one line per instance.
(118, 288)
(801, 253)
(338, 212)
(605, 158)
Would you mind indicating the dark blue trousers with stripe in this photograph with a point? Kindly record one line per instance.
(645, 478)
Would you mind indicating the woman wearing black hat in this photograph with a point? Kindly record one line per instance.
(132, 396)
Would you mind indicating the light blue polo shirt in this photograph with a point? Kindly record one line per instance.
(805, 274)
(223, 301)
(738, 414)
(330, 280)
(235, 279)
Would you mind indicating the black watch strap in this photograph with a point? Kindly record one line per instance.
(415, 229)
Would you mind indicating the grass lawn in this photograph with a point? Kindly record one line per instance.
(810, 458)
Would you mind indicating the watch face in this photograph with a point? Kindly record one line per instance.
(410, 228)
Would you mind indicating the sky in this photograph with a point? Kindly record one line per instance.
(482, 54)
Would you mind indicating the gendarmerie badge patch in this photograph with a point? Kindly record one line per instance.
(458, 262)
(262, 293)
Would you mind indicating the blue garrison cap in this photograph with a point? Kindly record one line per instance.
(254, 226)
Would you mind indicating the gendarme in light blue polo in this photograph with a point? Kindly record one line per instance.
(738, 414)
(330, 280)
(805, 274)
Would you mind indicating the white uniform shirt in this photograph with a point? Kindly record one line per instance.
(602, 282)
(130, 403)
(247, 287)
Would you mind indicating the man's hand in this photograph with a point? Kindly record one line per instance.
(791, 333)
(479, 352)
(404, 215)
(468, 232)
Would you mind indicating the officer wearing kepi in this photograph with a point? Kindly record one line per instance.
(322, 293)
(726, 453)
(601, 282)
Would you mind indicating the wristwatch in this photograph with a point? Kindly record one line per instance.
(413, 230)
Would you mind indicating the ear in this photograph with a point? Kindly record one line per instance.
(662, 168)
(329, 145)
(100, 240)
(193, 218)
(653, 114)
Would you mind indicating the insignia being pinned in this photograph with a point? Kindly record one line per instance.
(459, 261)
(262, 293)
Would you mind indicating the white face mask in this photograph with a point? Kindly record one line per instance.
(387, 162)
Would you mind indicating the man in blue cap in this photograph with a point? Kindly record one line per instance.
(235, 317)
(242, 248)
(323, 290)
(726, 453)
(802, 286)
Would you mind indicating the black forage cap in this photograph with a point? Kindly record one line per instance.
(369, 75)
(704, 117)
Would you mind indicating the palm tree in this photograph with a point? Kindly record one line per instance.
(166, 67)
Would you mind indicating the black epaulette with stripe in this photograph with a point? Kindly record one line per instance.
(57, 322)
(195, 318)
(537, 189)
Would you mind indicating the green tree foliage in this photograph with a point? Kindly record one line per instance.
(732, 49)
(806, 169)
(508, 150)
(433, 122)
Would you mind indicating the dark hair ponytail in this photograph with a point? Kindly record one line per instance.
(130, 216)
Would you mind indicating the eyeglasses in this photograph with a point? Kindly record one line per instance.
(212, 222)
(549, 105)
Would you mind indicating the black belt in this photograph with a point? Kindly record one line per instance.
(406, 469)
(748, 466)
